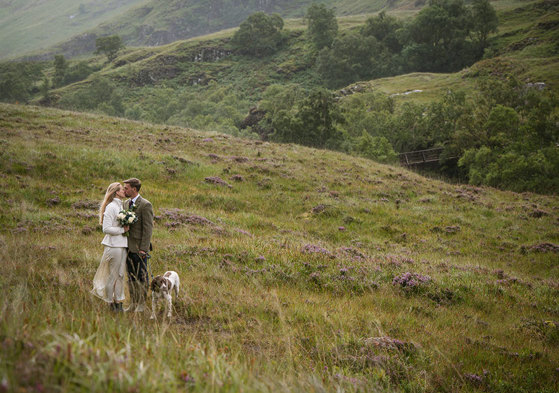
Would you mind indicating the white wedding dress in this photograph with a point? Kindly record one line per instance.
(108, 283)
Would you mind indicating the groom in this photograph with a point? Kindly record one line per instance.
(139, 243)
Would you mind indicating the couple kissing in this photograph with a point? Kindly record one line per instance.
(127, 221)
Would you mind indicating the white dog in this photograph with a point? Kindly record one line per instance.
(161, 288)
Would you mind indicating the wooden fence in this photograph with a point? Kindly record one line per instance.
(420, 156)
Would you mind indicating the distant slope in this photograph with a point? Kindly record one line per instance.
(525, 47)
(157, 22)
(30, 25)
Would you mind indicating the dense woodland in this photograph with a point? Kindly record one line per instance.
(503, 133)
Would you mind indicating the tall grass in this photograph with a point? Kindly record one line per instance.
(292, 283)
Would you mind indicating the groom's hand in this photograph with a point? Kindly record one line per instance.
(142, 253)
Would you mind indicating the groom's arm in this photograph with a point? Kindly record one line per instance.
(147, 227)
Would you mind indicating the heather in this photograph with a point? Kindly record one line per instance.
(301, 269)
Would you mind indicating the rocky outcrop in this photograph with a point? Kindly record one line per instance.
(210, 55)
(253, 118)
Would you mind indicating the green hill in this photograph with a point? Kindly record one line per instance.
(495, 120)
(301, 269)
(524, 47)
(27, 25)
(158, 22)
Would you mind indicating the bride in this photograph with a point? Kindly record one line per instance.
(108, 283)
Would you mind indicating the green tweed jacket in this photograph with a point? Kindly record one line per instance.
(140, 231)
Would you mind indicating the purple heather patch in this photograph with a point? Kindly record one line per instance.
(538, 213)
(178, 216)
(239, 159)
(410, 280)
(474, 379)
(314, 249)
(242, 231)
(54, 201)
(188, 379)
(500, 273)
(319, 208)
(249, 271)
(398, 260)
(508, 281)
(217, 180)
(545, 247)
(91, 205)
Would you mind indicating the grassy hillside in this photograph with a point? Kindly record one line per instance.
(158, 22)
(525, 46)
(294, 273)
(27, 25)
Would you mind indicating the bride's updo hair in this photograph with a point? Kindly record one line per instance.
(109, 196)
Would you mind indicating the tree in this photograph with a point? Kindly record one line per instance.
(351, 58)
(385, 29)
(17, 80)
(312, 123)
(485, 21)
(99, 90)
(259, 35)
(322, 25)
(377, 148)
(436, 38)
(60, 68)
(109, 46)
(515, 147)
(513, 170)
(502, 127)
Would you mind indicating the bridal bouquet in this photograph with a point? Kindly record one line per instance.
(126, 217)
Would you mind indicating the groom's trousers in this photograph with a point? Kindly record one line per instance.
(137, 277)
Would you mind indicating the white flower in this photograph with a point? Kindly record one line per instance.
(130, 220)
(121, 216)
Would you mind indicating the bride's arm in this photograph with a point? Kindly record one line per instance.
(109, 219)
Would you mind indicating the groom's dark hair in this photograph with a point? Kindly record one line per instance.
(136, 183)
